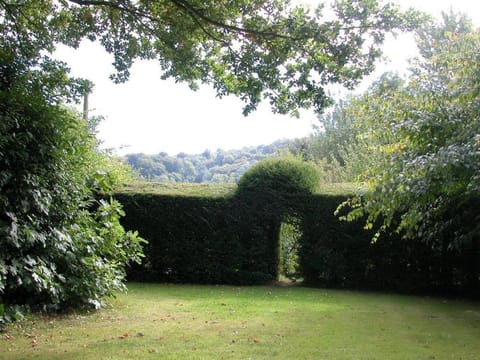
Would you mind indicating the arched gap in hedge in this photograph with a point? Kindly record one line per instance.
(289, 238)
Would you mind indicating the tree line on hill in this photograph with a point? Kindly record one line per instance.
(209, 166)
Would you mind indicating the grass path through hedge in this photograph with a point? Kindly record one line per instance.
(225, 322)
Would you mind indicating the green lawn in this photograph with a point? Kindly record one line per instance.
(218, 189)
(225, 322)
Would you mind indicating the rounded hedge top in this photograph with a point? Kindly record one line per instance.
(282, 175)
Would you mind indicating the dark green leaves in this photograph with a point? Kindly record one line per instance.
(60, 247)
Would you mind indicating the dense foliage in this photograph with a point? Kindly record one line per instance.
(338, 146)
(60, 247)
(414, 144)
(253, 49)
(425, 182)
(207, 167)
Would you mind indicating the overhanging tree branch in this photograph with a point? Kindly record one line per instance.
(194, 13)
(199, 17)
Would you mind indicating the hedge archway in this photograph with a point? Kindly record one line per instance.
(273, 194)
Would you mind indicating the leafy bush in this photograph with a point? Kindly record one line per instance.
(60, 246)
(422, 139)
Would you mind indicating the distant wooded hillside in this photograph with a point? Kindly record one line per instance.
(209, 166)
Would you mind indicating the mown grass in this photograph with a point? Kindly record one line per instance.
(218, 190)
(180, 189)
(225, 322)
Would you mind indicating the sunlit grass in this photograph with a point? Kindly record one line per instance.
(225, 322)
(218, 189)
(181, 189)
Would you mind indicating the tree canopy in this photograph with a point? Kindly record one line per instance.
(254, 49)
(425, 182)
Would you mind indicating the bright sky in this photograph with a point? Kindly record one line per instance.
(149, 115)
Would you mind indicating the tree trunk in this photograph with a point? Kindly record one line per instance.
(85, 106)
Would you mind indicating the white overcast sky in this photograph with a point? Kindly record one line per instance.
(149, 115)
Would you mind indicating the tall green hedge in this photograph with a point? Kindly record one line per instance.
(234, 239)
(336, 253)
(198, 240)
